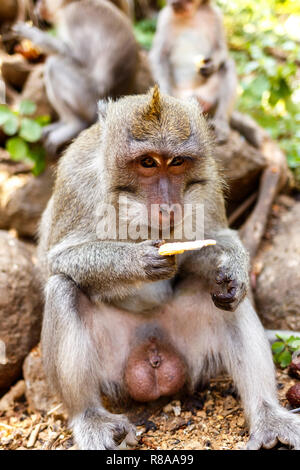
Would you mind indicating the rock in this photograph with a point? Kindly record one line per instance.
(15, 393)
(20, 306)
(278, 282)
(23, 197)
(14, 69)
(34, 90)
(241, 165)
(37, 391)
(293, 395)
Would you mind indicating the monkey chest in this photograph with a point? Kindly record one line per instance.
(187, 50)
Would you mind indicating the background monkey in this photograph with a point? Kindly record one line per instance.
(116, 311)
(94, 55)
(189, 57)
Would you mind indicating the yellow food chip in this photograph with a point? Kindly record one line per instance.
(199, 61)
(179, 247)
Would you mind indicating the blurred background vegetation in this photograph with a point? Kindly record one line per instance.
(264, 39)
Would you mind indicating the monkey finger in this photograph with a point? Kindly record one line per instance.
(253, 444)
(224, 298)
(156, 243)
(131, 438)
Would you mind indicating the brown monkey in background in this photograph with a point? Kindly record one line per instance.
(94, 55)
(189, 57)
(120, 318)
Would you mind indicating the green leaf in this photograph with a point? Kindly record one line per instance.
(43, 120)
(17, 148)
(295, 344)
(38, 155)
(30, 130)
(277, 347)
(11, 125)
(285, 358)
(27, 107)
(5, 114)
(282, 336)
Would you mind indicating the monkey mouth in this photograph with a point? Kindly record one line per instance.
(166, 219)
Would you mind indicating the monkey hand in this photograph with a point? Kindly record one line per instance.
(155, 266)
(22, 29)
(207, 68)
(228, 291)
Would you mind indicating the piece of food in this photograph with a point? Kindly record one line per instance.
(293, 395)
(28, 50)
(179, 247)
(199, 61)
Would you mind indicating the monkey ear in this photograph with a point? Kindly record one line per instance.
(102, 108)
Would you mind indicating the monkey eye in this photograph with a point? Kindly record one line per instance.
(148, 162)
(177, 161)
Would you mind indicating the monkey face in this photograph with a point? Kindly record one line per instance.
(160, 147)
(161, 179)
(184, 6)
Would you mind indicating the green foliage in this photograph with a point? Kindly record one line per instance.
(144, 32)
(284, 348)
(264, 39)
(24, 134)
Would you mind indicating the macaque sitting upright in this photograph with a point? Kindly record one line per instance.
(190, 59)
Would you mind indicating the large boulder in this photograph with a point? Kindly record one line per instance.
(20, 306)
(278, 281)
(23, 196)
(241, 165)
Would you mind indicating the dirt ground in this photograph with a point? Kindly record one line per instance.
(210, 419)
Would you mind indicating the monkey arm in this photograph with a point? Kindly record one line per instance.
(219, 56)
(48, 43)
(220, 51)
(112, 269)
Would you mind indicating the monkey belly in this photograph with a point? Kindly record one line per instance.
(154, 369)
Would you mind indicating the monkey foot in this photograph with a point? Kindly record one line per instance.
(97, 429)
(276, 425)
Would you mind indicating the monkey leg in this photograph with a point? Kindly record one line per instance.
(247, 356)
(211, 339)
(73, 96)
(72, 366)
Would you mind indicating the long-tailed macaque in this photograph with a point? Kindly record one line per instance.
(122, 319)
(190, 58)
(93, 55)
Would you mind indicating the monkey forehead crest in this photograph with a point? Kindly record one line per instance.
(156, 117)
(160, 116)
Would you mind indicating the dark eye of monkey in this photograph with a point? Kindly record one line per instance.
(177, 161)
(148, 162)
